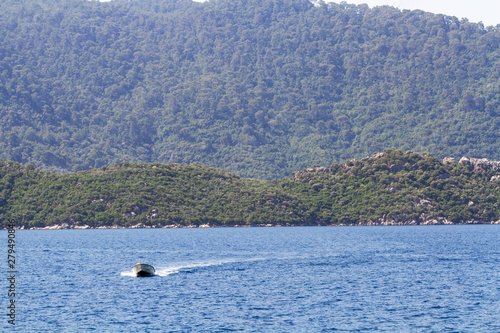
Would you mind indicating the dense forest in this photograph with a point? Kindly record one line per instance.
(261, 88)
(392, 187)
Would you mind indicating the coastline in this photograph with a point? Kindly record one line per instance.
(389, 188)
(268, 225)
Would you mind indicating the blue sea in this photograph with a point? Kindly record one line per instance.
(288, 279)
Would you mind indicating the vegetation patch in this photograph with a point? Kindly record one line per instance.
(392, 187)
(261, 88)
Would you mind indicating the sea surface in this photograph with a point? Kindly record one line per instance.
(293, 279)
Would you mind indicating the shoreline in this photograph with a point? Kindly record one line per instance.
(268, 225)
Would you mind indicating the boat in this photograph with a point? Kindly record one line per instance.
(141, 269)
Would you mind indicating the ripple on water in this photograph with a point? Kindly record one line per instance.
(262, 279)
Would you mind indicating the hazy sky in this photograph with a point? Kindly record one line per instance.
(486, 11)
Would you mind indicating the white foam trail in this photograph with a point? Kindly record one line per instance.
(128, 273)
(189, 266)
(183, 267)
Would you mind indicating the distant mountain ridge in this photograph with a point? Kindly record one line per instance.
(261, 88)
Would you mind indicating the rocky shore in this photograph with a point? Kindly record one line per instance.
(379, 222)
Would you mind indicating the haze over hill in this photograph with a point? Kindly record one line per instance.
(259, 88)
(485, 11)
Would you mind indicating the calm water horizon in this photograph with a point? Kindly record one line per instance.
(290, 279)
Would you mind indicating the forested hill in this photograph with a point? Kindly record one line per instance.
(391, 187)
(261, 88)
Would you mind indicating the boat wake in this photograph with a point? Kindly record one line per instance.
(188, 267)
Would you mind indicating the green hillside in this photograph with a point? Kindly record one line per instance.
(260, 88)
(393, 187)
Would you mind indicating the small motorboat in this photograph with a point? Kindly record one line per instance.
(141, 269)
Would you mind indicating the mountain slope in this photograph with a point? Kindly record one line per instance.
(261, 88)
(393, 187)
